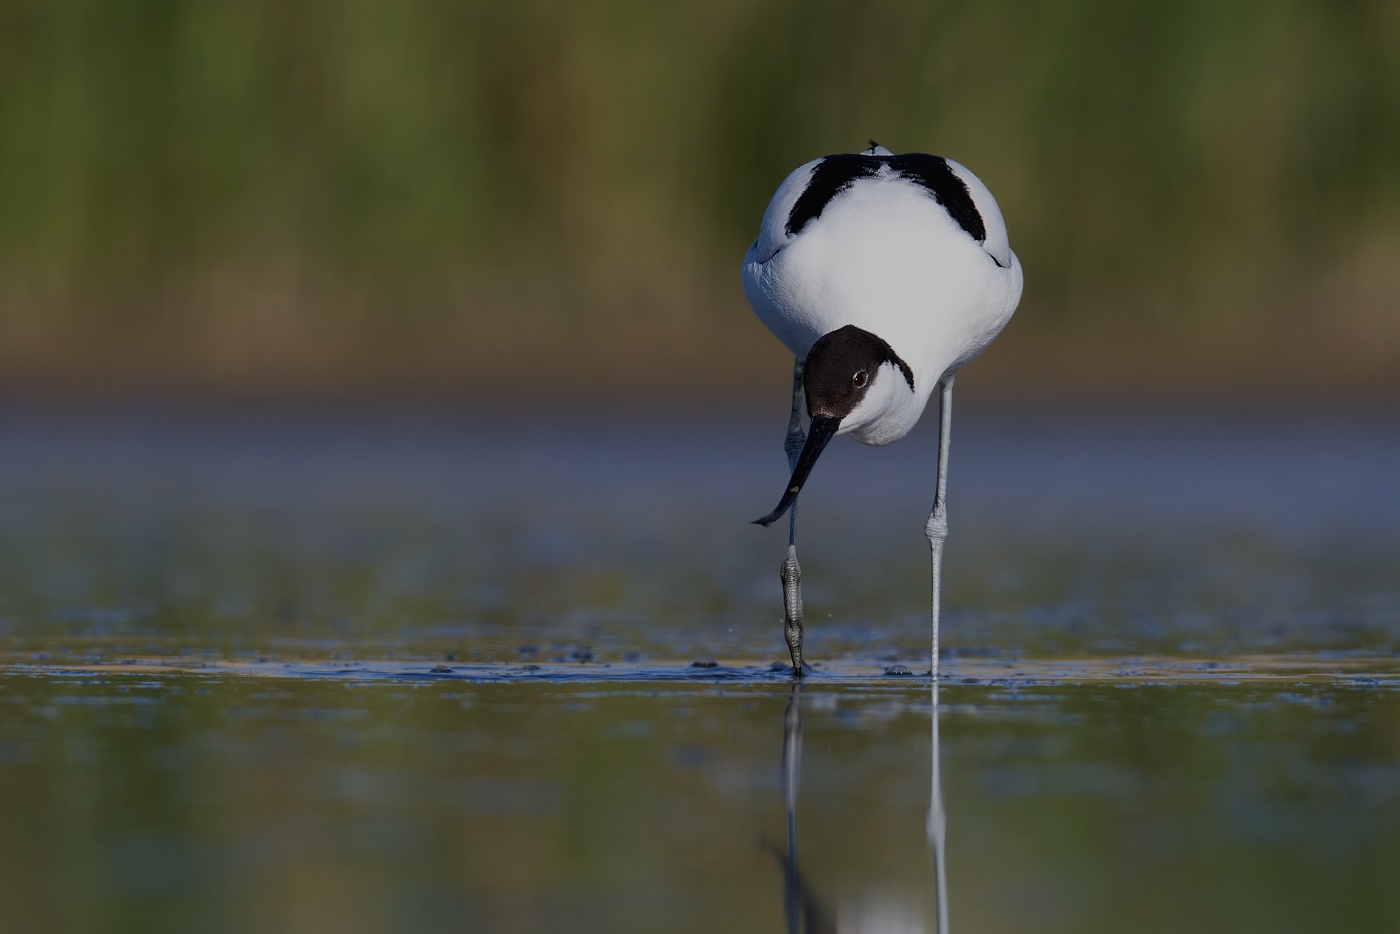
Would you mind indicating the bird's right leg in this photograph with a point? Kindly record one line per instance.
(791, 572)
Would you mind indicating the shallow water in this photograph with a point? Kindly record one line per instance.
(189, 802)
(403, 671)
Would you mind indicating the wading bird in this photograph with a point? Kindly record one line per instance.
(883, 274)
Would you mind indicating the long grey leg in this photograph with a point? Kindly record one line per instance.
(937, 527)
(791, 572)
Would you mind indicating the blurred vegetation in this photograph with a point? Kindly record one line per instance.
(362, 193)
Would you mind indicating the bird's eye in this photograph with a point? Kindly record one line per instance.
(860, 379)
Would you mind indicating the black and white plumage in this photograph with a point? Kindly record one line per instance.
(883, 274)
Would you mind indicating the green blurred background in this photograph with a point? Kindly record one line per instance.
(250, 197)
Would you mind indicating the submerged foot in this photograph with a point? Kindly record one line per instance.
(791, 671)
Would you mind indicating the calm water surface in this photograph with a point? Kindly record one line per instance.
(407, 671)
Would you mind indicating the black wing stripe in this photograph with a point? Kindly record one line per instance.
(935, 175)
(835, 174)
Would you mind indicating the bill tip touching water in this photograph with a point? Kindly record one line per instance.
(883, 274)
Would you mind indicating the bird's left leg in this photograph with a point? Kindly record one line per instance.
(937, 526)
(791, 572)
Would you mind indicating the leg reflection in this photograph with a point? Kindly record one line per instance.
(800, 908)
(792, 774)
(937, 825)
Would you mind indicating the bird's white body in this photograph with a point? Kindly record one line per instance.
(884, 254)
(883, 274)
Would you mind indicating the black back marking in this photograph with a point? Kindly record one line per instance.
(834, 174)
(833, 362)
(935, 175)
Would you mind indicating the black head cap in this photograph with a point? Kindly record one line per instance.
(839, 369)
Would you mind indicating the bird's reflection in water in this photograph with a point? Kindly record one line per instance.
(802, 909)
(800, 906)
(937, 825)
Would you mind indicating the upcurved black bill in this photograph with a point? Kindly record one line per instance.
(821, 431)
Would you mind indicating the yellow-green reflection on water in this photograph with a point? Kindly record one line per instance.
(197, 802)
